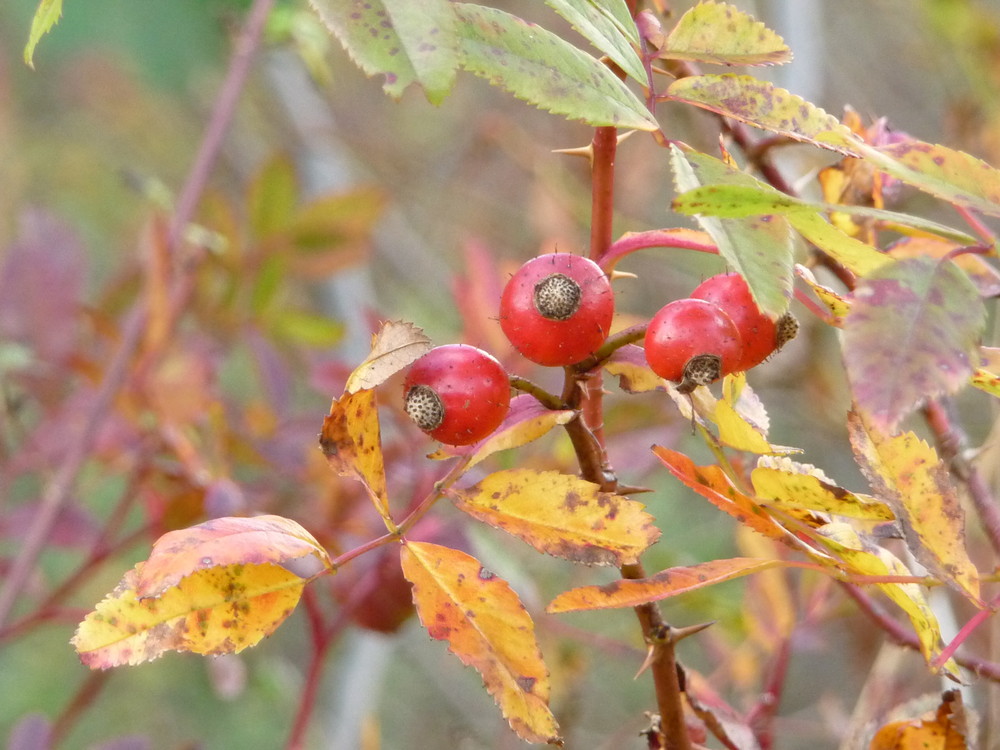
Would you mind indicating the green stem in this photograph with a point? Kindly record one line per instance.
(545, 398)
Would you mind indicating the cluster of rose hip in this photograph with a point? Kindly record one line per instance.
(556, 311)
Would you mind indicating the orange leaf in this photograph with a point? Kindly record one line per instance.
(488, 628)
(666, 583)
(907, 474)
(228, 541)
(352, 443)
(711, 483)
(943, 730)
(213, 611)
(527, 420)
(562, 515)
(397, 345)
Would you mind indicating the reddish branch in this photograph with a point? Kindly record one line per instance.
(323, 635)
(59, 488)
(586, 434)
(905, 637)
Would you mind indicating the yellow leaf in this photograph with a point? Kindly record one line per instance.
(229, 541)
(788, 485)
(527, 420)
(218, 610)
(562, 515)
(985, 377)
(871, 560)
(907, 474)
(735, 430)
(837, 305)
(352, 443)
(488, 628)
(397, 345)
(986, 381)
(628, 364)
(721, 33)
(666, 583)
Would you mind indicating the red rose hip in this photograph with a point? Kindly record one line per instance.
(557, 308)
(729, 291)
(692, 342)
(457, 394)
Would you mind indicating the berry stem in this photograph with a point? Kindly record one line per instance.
(546, 399)
(609, 347)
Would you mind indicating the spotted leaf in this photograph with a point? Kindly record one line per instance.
(486, 627)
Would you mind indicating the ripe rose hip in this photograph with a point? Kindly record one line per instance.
(457, 394)
(729, 291)
(557, 309)
(692, 342)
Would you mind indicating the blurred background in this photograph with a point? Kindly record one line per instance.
(334, 207)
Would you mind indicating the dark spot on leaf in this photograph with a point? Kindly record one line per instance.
(572, 501)
(527, 684)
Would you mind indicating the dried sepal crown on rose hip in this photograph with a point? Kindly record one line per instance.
(457, 394)
(692, 342)
(718, 330)
(557, 308)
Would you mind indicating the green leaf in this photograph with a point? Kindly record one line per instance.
(268, 283)
(404, 40)
(766, 106)
(307, 328)
(736, 201)
(911, 335)
(608, 26)
(941, 171)
(855, 255)
(537, 66)
(46, 16)
(272, 197)
(720, 33)
(742, 200)
(759, 247)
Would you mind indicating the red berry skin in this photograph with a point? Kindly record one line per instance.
(687, 328)
(730, 292)
(579, 310)
(457, 394)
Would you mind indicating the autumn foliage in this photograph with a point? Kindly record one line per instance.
(907, 297)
